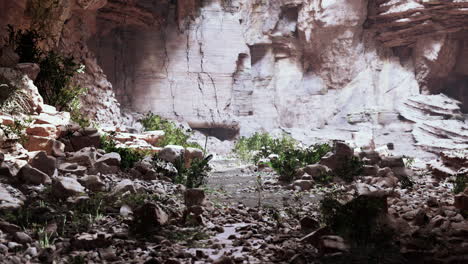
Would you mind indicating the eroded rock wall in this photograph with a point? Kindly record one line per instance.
(316, 69)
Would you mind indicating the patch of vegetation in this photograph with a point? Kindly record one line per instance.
(173, 135)
(16, 131)
(460, 184)
(261, 145)
(290, 155)
(193, 177)
(128, 156)
(55, 79)
(292, 159)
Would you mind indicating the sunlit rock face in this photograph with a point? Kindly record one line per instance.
(316, 69)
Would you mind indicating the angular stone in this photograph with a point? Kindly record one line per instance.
(172, 153)
(332, 244)
(110, 159)
(461, 201)
(64, 187)
(93, 183)
(10, 198)
(194, 197)
(30, 175)
(392, 162)
(42, 130)
(29, 69)
(304, 185)
(72, 168)
(50, 146)
(316, 170)
(44, 163)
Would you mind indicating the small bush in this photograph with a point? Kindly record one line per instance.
(197, 174)
(261, 145)
(173, 134)
(461, 181)
(128, 156)
(192, 177)
(290, 160)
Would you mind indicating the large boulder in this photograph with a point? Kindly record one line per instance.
(10, 197)
(43, 162)
(110, 159)
(316, 170)
(50, 146)
(30, 175)
(172, 153)
(64, 187)
(43, 130)
(194, 197)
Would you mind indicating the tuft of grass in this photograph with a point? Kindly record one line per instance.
(261, 145)
(16, 131)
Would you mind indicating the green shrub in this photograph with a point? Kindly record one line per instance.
(128, 156)
(291, 159)
(173, 134)
(461, 180)
(197, 174)
(193, 177)
(261, 145)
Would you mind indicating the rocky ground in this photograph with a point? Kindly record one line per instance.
(80, 207)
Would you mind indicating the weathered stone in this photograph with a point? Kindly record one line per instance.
(124, 186)
(392, 162)
(72, 168)
(22, 238)
(370, 170)
(10, 197)
(461, 201)
(44, 163)
(194, 197)
(110, 159)
(309, 224)
(30, 175)
(316, 170)
(332, 244)
(304, 185)
(370, 157)
(149, 216)
(50, 146)
(42, 130)
(171, 153)
(29, 69)
(93, 183)
(64, 187)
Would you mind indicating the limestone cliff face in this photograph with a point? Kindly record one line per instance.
(316, 69)
(303, 66)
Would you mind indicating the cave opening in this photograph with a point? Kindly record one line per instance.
(222, 133)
